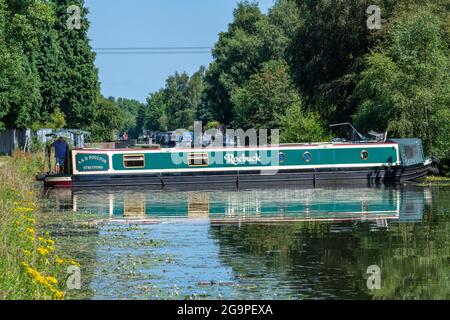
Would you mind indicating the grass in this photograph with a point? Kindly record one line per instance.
(436, 181)
(29, 266)
(436, 178)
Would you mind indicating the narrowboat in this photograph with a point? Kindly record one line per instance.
(306, 164)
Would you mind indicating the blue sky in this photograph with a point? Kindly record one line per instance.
(154, 23)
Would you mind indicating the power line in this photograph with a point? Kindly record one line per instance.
(151, 48)
(150, 52)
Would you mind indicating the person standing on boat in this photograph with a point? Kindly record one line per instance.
(125, 136)
(60, 146)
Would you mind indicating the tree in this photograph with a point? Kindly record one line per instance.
(250, 41)
(22, 25)
(175, 106)
(154, 110)
(45, 66)
(79, 73)
(405, 88)
(177, 101)
(130, 109)
(286, 15)
(262, 100)
(49, 66)
(107, 120)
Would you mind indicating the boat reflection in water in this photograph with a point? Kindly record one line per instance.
(249, 206)
(259, 244)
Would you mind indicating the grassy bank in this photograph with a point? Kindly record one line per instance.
(436, 181)
(29, 265)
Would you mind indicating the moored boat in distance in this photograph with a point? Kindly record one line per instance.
(310, 164)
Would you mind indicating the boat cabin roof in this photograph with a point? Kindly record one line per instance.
(286, 145)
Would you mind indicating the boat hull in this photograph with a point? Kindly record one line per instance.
(246, 178)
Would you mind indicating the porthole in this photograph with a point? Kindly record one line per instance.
(364, 155)
(307, 157)
(281, 157)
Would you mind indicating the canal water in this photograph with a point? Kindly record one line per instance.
(364, 243)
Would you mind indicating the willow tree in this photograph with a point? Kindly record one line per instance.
(406, 87)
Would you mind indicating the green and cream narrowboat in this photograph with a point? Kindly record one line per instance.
(300, 164)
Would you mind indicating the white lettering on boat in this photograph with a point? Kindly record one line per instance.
(96, 158)
(230, 158)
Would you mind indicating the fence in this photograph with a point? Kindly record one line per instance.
(14, 139)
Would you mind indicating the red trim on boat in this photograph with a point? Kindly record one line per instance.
(58, 184)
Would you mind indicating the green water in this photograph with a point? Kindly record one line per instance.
(255, 244)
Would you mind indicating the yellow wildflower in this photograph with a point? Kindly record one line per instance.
(52, 280)
(32, 220)
(58, 260)
(73, 262)
(57, 295)
(43, 251)
(39, 278)
(23, 210)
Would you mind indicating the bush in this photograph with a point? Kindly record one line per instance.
(302, 126)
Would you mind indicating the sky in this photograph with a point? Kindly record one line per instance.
(154, 23)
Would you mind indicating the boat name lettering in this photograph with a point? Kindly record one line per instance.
(230, 158)
(97, 158)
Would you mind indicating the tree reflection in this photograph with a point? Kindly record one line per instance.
(326, 260)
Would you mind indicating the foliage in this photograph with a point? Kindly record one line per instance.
(405, 88)
(213, 125)
(262, 100)
(154, 111)
(250, 40)
(30, 267)
(50, 68)
(298, 125)
(21, 26)
(56, 120)
(44, 66)
(79, 74)
(107, 120)
(178, 105)
(130, 109)
(175, 106)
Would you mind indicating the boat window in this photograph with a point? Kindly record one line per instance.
(364, 155)
(198, 159)
(134, 161)
(307, 157)
(281, 157)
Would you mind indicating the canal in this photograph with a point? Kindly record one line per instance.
(255, 244)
